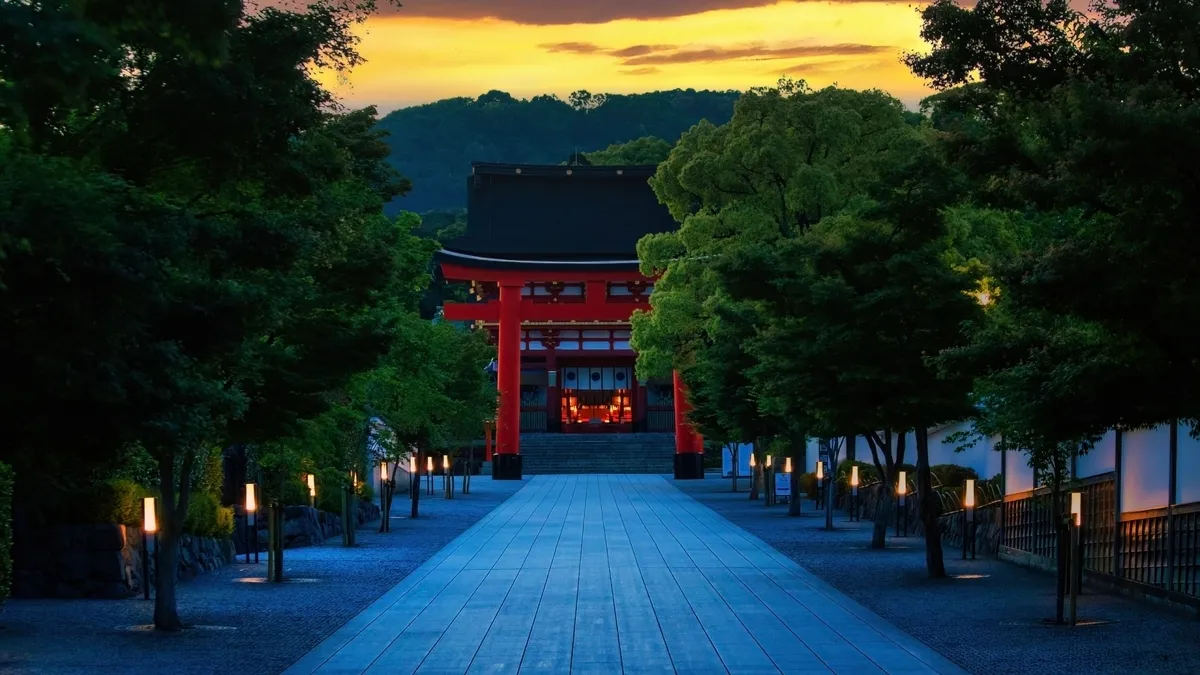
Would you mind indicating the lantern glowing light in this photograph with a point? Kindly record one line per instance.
(969, 497)
(769, 458)
(251, 498)
(312, 485)
(752, 459)
(902, 484)
(429, 464)
(787, 465)
(854, 476)
(412, 464)
(383, 470)
(149, 517)
(1077, 508)
(445, 461)
(821, 470)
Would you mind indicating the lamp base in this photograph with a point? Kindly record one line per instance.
(689, 466)
(506, 467)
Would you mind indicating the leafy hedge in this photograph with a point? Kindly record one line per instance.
(207, 518)
(6, 492)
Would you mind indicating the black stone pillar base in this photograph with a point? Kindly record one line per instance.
(689, 466)
(506, 467)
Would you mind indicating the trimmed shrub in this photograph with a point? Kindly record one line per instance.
(295, 492)
(6, 492)
(866, 474)
(207, 518)
(119, 501)
(366, 491)
(806, 484)
(952, 475)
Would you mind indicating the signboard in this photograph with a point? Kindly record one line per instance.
(783, 485)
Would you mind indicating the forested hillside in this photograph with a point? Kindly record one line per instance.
(434, 144)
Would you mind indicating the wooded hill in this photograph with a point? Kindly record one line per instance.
(434, 144)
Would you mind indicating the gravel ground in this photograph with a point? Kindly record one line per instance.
(240, 626)
(987, 618)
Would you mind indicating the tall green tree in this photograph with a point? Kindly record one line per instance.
(237, 240)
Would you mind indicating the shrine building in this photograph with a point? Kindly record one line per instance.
(550, 256)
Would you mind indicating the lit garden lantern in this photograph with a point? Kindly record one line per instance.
(251, 521)
(854, 492)
(149, 537)
(902, 511)
(1075, 556)
(969, 525)
(820, 482)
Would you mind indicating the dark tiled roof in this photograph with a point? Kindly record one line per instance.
(560, 213)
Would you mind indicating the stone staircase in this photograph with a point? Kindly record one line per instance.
(597, 453)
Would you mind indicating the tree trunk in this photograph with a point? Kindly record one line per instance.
(882, 503)
(883, 517)
(755, 471)
(934, 563)
(166, 613)
(733, 452)
(172, 514)
(1060, 538)
(830, 484)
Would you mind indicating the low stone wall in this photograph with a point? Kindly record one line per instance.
(100, 561)
(303, 526)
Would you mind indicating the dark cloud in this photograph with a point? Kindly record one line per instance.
(755, 52)
(554, 12)
(645, 70)
(570, 47)
(640, 50)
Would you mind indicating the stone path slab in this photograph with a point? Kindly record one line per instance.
(615, 574)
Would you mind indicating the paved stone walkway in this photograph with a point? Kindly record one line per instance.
(612, 574)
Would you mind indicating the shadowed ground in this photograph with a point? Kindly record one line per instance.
(987, 617)
(612, 574)
(250, 627)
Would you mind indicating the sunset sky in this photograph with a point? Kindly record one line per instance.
(433, 49)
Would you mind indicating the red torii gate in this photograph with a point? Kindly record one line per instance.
(512, 308)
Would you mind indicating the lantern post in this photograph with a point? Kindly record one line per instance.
(969, 519)
(149, 538)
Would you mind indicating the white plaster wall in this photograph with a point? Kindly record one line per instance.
(1187, 478)
(982, 457)
(1019, 475)
(1100, 459)
(1145, 463)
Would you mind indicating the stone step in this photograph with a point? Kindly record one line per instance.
(651, 453)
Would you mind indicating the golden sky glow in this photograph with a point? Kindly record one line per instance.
(416, 59)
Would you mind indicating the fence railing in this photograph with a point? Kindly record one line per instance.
(1157, 548)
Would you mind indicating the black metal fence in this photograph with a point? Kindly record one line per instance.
(1159, 548)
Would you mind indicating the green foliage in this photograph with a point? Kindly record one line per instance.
(6, 530)
(434, 144)
(806, 484)
(1078, 124)
(645, 150)
(116, 501)
(867, 474)
(207, 518)
(366, 491)
(953, 475)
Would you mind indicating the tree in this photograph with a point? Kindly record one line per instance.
(228, 201)
(1083, 121)
(644, 150)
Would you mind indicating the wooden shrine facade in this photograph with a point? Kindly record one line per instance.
(558, 304)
